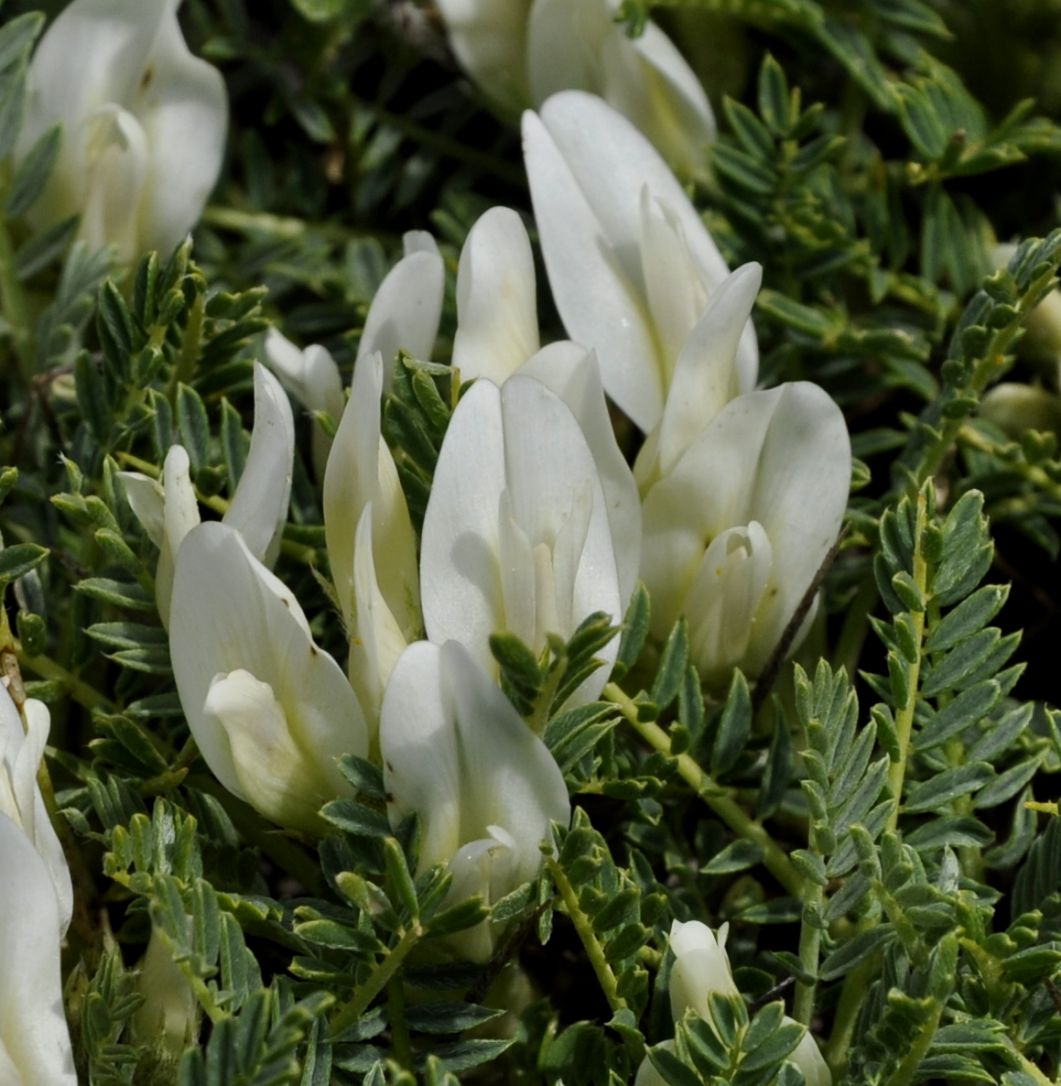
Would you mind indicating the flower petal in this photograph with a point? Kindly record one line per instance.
(376, 639)
(361, 470)
(34, 1038)
(180, 516)
(147, 500)
(809, 1059)
(780, 457)
(21, 754)
(802, 486)
(182, 104)
(488, 37)
(593, 275)
(701, 966)
(111, 38)
(312, 377)
(167, 115)
(114, 163)
(676, 293)
(612, 161)
(406, 309)
(648, 80)
(564, 43)
(573, 374)
(707, 375)
(230, 614)
(460, 580)
(553, 481)
(258, 510)
(456, 752)
(497, 313)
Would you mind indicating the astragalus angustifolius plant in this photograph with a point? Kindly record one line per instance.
(539, 599)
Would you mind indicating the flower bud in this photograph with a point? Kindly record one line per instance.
(169, 1016)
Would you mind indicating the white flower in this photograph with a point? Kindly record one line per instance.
(21, 802)
(407, 307)
(706, 376)
(497, 310)
(270, 711)
(370, 537)
(631, 265)
(258, 509)
(34, 1038)
(735, 533)
(522, 51)
(484, 785)
(312, 377)
(143, 124)
(701, 966)
(516, 535)
(497, 337)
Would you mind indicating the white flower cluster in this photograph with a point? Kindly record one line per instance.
(534, 521)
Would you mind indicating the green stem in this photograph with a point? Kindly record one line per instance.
(13, 303)
(377, 981)
(852, 995)
(1032, 1071)
(174, 776)
(907, 1069)
(47, 668)
(594, 951)
(904, 717)
(1032, 473)
(283, 227)
(945, 429)
(190, 345)
(720, 801)
(401, 1046)
(810, 942)
(446, 145)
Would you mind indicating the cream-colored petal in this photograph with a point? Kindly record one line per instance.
(497, 312)
(488, 37)
(573, 374)
(361, 470)
(405, 311)
(258, 510)
(230, 614)
(376, 639)
(456, 751)
(34, 1038)
(180, 516)
(183, 107)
